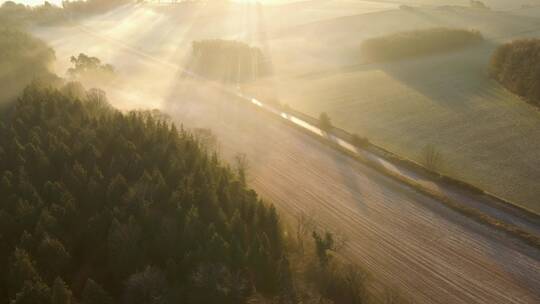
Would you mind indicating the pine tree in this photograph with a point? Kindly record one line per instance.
(32, 292)
(93, 293)
(60, 293)
(22, 269)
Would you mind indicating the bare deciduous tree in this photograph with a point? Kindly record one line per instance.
(305, 224)
(207, 139)
(432, 158)
(242, 166)
(325, 123)
(341, 241)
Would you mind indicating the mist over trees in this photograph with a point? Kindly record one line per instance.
(516, 66)
(228, 61)
(16, 14)
(89, 68)
(409, 44)
(90, 7)
(23, 59)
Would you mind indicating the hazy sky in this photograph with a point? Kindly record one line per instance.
(58, 2)
(34, 2)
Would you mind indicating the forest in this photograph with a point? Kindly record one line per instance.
(125, 207)
(516, 66)
(107, 207)
(228, 61)
(415, 43)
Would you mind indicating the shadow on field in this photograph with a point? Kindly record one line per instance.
(451, 80)
(351, 181)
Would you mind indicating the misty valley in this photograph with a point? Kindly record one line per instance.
(272, 152)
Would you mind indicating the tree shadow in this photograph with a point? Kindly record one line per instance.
(450, 80)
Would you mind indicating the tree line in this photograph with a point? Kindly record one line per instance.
(516, 66)
(18, 14)
(228, 61)
(415, 43)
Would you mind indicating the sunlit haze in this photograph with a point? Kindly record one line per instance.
(231, 152)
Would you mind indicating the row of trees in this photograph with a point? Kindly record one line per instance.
(89, 7)
(431, 157)
(19, 14)
(516, 66)
(228, 61)
(408, 44)
(325, 124)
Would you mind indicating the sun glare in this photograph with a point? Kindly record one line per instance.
(263, 151)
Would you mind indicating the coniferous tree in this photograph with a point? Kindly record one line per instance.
(93, 293)
(60, 293)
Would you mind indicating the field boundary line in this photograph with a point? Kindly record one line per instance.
(470, 212)
(276, 112)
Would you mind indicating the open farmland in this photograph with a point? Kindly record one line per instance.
(486, 135)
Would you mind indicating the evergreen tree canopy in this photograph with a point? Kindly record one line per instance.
(104, 207)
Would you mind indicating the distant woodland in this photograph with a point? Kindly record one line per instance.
(228, 61)
(90, 7)
(19, 14)
(23, 59)
(516, 66)
(89, 69)
(409, 44)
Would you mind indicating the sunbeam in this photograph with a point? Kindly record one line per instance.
(398, 141)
